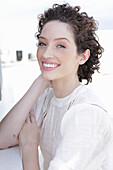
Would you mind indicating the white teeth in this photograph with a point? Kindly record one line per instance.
(49, 65)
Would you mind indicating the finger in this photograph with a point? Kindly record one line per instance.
(28, 119)
(31, 111)
(33, 118)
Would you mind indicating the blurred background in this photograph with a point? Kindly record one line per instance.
(19, 67)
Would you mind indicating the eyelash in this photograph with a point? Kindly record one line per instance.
(61, 46)
(43, 44)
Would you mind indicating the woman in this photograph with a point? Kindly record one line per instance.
(0, 78)
(74, 130)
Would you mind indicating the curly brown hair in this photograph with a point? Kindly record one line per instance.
(84, 28)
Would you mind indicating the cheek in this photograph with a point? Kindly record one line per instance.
(62, 56)
(38, 55)
(66, 57)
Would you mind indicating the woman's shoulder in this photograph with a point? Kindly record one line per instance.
(88, 96)
(43, 99)
(87, 117)
(41, 104)
(87, 110)
(47, 93)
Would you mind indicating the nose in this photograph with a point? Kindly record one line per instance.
(48, 52)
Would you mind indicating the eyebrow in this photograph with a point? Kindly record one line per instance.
(56, 38)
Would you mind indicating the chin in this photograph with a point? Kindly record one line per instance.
(46, 76)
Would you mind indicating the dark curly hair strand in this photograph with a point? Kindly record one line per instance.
(84, 28)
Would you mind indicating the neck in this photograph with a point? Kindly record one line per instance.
(64, 87)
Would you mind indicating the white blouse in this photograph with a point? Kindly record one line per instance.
(75, 131)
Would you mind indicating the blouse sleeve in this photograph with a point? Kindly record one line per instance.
(86, 136)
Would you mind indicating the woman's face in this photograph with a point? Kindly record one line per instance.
(57, 52)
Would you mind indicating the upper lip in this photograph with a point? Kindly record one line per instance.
(50, 62)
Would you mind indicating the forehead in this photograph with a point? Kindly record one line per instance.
(57, 29)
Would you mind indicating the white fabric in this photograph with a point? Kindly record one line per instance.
(77, 139)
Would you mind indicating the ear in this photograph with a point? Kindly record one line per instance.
(84, 57)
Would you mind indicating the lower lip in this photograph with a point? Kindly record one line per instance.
(49, 68)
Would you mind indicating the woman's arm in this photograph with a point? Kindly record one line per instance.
(29, 141)
(12, 124)
(30, 158)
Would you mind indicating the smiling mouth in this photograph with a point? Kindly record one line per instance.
(49, 66)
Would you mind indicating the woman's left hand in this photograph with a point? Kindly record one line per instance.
(29, 135)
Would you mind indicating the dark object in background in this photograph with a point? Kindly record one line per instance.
(30, 56)
(19, 55)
